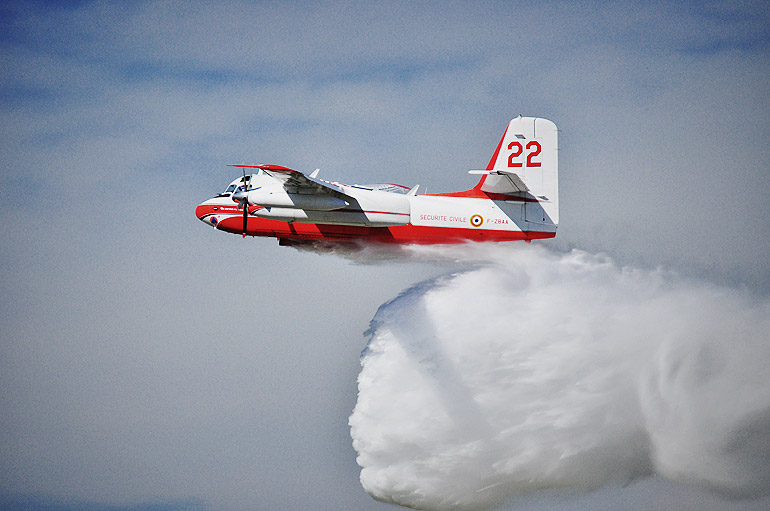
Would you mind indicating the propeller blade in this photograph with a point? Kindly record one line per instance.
(245, 213)
(244, 202)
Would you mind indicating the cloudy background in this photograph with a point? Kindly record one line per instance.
(148, 361)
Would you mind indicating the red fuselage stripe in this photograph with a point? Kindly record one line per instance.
(397, 234)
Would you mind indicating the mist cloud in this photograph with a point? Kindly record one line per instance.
(534, 370)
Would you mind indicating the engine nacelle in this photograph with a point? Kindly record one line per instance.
(280, 199)
(348, 217)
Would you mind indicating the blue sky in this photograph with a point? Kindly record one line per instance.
(146, 358)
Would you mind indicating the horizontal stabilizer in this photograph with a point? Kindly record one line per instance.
(502, 182)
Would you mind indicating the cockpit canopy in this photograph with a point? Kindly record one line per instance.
(234, 186)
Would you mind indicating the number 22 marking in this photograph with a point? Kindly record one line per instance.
(517, 149)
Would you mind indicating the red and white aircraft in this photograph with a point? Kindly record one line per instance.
(517, 198)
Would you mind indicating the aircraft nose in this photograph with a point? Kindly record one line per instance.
(206, 214)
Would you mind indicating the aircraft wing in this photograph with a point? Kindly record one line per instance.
(297, 182)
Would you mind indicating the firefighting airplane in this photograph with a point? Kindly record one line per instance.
(517, 198)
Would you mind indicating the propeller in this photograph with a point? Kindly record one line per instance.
(242, 196)
(245, 218)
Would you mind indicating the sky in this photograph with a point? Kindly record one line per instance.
(149, 362)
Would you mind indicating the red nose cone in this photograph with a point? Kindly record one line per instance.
(201, 211)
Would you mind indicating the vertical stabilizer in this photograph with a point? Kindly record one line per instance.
(526, 164)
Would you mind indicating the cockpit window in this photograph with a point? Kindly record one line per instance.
(227, 192)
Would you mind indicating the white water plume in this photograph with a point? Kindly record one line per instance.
(533, 370)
